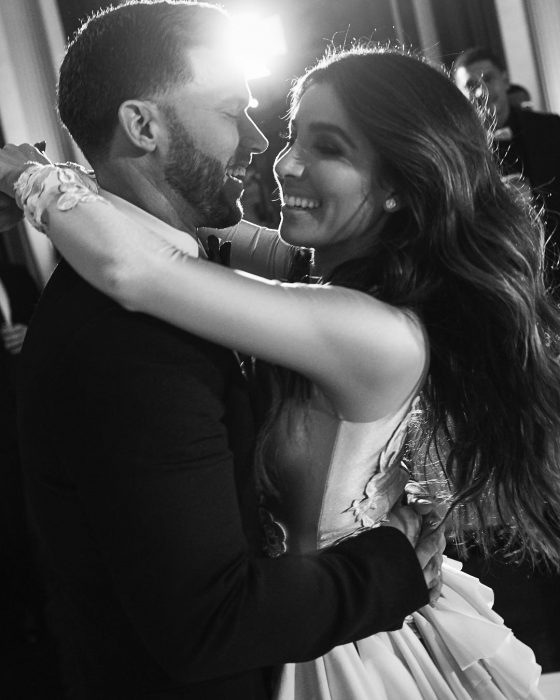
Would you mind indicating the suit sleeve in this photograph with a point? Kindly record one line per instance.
(156, 483)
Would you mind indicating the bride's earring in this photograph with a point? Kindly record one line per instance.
(390, 204)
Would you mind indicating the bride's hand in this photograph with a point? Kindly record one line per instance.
(14, 160)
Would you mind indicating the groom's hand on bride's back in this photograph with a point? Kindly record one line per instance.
(433, 529)
(429, 544)
(407, 520)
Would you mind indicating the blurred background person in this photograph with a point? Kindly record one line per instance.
(527, 145)
(519, 96)
(527, 142)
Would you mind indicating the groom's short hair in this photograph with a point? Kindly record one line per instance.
(133, 51)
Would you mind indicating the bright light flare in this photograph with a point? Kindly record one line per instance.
(260, 40)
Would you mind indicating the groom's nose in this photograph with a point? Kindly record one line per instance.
(252, 137)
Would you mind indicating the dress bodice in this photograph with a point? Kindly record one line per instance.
(325, 478)
(322, 478)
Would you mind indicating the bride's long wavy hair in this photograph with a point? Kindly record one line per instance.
(466, 255)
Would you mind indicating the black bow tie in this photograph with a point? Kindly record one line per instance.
(300, 266)
(217, 251)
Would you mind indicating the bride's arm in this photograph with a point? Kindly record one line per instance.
(365, 354)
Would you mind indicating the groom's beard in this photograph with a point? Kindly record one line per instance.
(198, 178)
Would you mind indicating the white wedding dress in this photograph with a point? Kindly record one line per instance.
(330, 479)
(324, 479)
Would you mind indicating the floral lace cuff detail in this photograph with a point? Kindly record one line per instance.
(40, 185)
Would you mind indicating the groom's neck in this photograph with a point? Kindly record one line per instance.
(148, 190)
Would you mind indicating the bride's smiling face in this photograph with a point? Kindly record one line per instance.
(332, 197)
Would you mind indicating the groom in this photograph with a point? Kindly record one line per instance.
(137, 437)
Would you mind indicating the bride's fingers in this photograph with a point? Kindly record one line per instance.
(435, 589)
(431, 542)
(418, 498)
(432, 573)
(20, 153)
(421, 505)
(413, 488)
(434, 570)
(432, 577)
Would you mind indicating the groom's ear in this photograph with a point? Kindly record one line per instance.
(139, 120)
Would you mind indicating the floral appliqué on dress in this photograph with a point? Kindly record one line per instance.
(274, 533)
(377, 500)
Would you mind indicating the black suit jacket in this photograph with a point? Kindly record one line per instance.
(539, 137)
(124, 427)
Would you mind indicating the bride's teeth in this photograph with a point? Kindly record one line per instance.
(301, 202)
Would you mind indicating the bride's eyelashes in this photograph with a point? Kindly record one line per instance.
(325, 146)
(288, 136)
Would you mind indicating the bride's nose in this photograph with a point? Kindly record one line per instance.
(290, 163)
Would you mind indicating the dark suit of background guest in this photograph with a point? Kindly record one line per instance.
(128, 427)
(17, 593)
(532, 147)
(529, 143)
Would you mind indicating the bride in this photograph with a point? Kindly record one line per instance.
(427, 335)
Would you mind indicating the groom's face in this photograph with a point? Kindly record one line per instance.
(211, 137)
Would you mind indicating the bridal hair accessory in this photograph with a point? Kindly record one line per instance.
(40, 185)
(390, 203)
